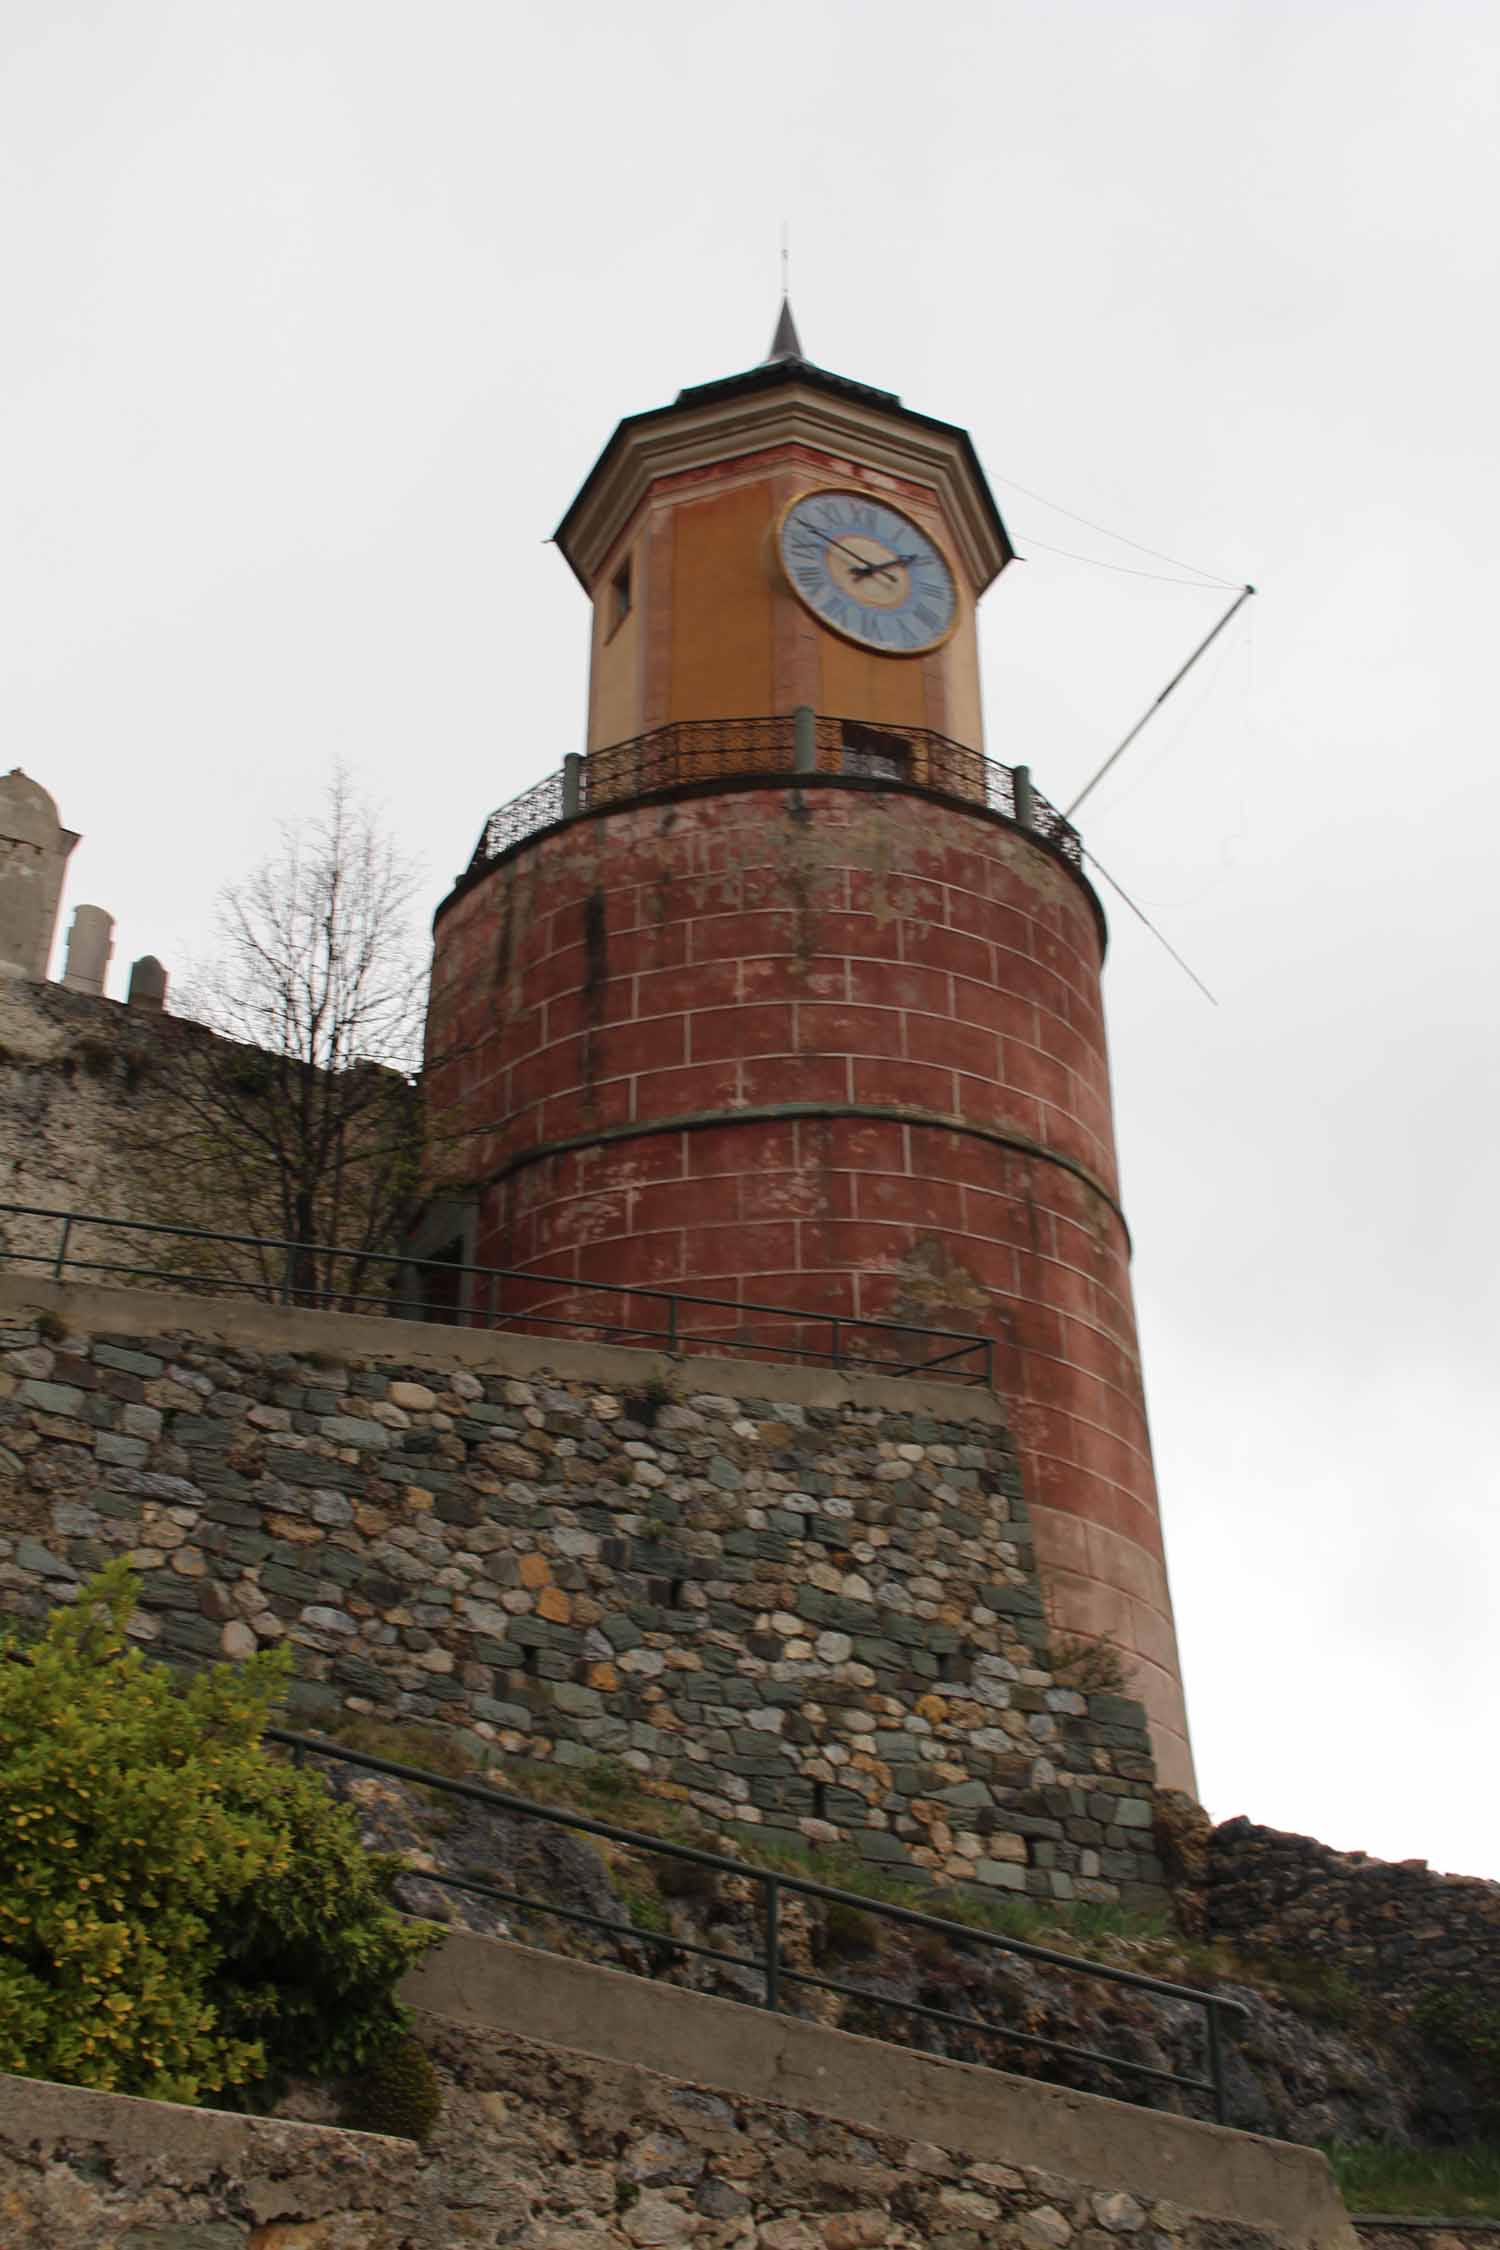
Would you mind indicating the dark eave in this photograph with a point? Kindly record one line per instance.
(773, 375)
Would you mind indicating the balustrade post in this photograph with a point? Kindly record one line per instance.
(572, 794)
(1025, 797)
(1216, 2061)
(773, 1943)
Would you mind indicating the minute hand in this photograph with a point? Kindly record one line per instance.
(865, 566)
(891, 562)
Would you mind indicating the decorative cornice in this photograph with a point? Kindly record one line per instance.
(725, 421)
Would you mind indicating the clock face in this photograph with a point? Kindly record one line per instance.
(867, 571)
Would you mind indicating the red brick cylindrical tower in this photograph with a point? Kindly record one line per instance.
(802, 1015)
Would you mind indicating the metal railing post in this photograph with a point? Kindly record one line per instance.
(804, 739)
(672, 1325)
(1216, 2061)
(1025, 797)
(572, 794)
(837, 1353)
(773, 1944)
(62, 1248)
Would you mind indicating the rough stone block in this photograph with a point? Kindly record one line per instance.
(127, 1359)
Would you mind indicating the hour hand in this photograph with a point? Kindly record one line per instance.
(892, 562)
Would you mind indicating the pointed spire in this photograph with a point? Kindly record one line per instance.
(786, 343)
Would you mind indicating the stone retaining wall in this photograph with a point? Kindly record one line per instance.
(542, 2149)
(819, 1619)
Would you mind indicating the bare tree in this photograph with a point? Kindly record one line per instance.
(293, 1089)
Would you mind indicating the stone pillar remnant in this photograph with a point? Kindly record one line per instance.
(148, 984)
(91, 941)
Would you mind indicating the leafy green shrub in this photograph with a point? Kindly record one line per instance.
(397, 2093)
(179, 1915)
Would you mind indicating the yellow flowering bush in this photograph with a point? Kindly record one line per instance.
(180, 1915)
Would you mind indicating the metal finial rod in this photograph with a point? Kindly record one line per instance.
(1177, 677)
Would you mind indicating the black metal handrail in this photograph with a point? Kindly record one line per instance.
(687, 752)
(770, 1963)
(967, 1358)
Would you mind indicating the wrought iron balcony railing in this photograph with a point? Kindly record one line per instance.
(707, 750)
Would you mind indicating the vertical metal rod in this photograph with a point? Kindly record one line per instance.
(489, 1302)
(62, 1248)
(804, 739)
(672, 1325)
(1025, 796)
(838, 1358)
(1216, 2062)
(572, 789)
(989, 1361)
(773, 1943)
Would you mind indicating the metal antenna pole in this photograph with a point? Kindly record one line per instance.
(1237, 604)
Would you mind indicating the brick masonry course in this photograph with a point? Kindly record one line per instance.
(820, 1621)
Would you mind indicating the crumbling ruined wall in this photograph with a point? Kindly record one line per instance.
(128, 1113)
(82, 1099)
(1399, 1927)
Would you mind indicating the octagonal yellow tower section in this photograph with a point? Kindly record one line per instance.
(678, 536)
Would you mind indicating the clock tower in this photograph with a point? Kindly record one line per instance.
(740, 550)
(785, 994)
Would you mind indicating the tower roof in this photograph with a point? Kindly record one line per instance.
(786, 343)
(739, 412)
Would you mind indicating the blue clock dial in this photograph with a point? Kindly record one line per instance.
(867, 571)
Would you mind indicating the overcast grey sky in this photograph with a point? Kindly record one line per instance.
(315, 313)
